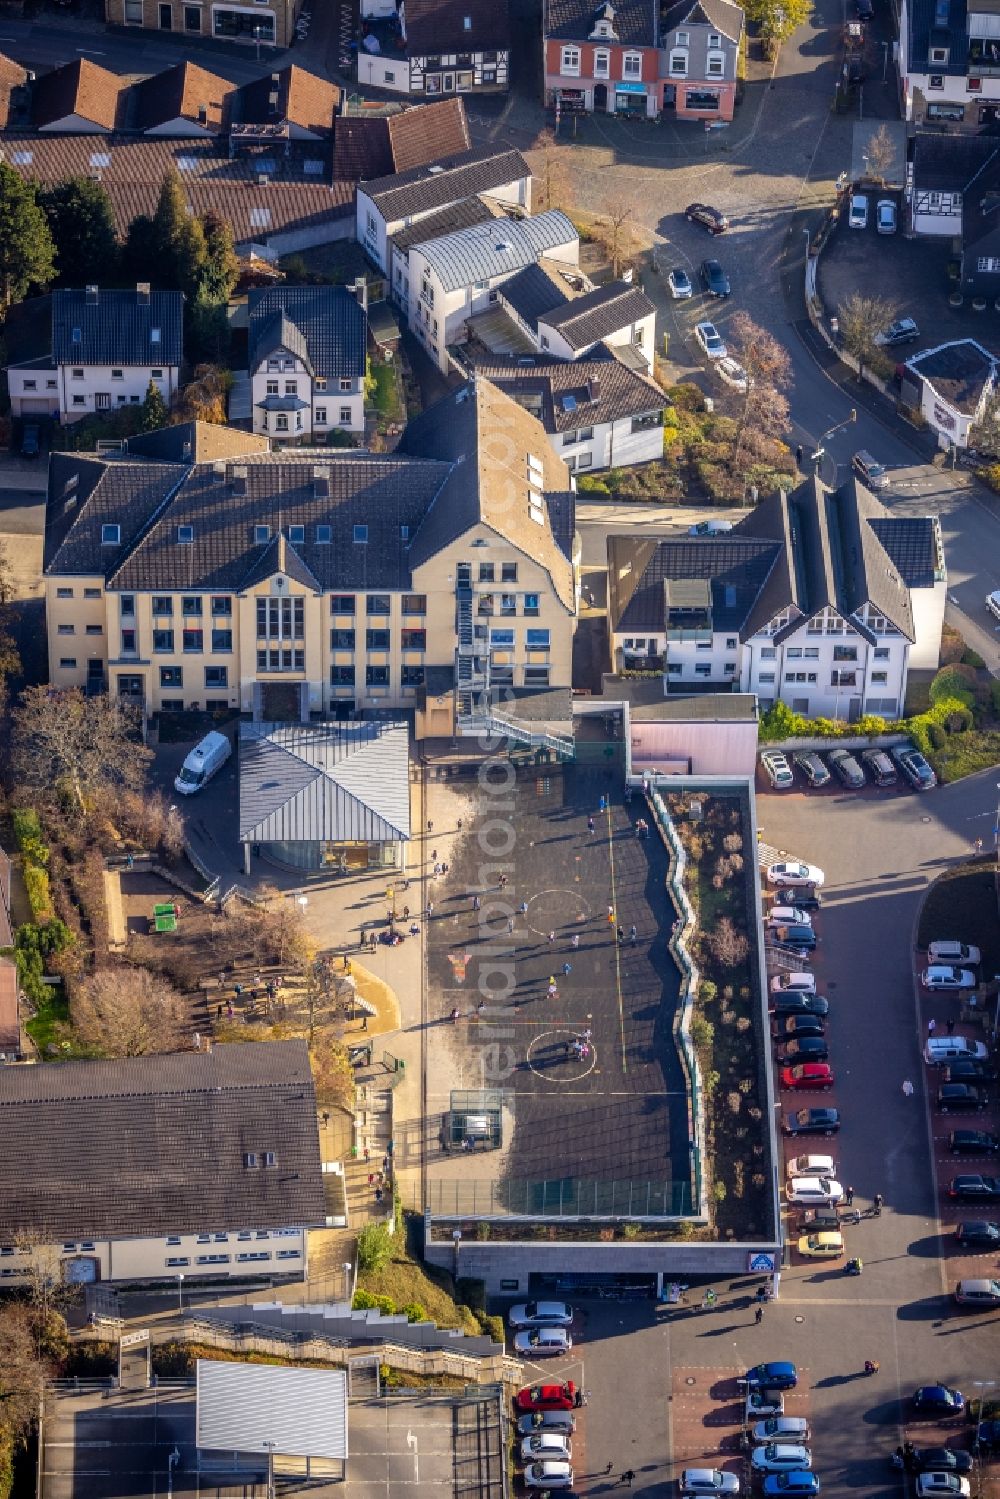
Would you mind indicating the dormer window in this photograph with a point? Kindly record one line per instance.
(466, 23)
(261, 534)
(939, 54)
(683, 39)
(296, 534)
(360, 535)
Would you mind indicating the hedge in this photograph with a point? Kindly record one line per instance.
(28, 832)
(36, 884)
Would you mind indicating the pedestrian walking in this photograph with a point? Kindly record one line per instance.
(430, 826)
(406, 913)
(510, 926)
(632, 934)
(575, 941)
(848, 1195)
(627, 1477)
(951, 1025)
(378, 1194)
(364, 1022)
(218, 1012)
(798, 455)
(430, 909)
(590, 824)
(385, 1163)
(434, 853)
(481, 1007)
(978, 845)
(608, 1469)
(367, 1152)
(371, 1174)
(523, 908)
(458, 825)
(907, 1088)
(759, 1315)
(552, 937)
(476, 903)
(877, 1202)
(503, 882)
(931, 1026)
(567, 969)
(129, 861)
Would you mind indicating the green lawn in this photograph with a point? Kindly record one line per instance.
(385, 395)
(48, 1024)
(962, 905)
(964, 754)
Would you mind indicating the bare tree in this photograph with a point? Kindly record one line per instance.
(204, 398)
(77, 744)
(617, 227)
(550, 170)
(862, 321)
(126, 1012)
(880, 154)
(984, 434)
(22, 1371)
(768, 370)
(332, 1074)
(729, 947)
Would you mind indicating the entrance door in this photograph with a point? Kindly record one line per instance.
(600, 98)
(102, 401)
(166, 18)
(95, 675)
(448, 82)
(281, 702)
(343, 709)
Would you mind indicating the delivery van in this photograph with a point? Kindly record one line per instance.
(202, 763)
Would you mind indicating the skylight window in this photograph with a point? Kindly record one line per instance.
(313, 168)
(261, 534)
(186, 164)
(154, 335)
(260, 218)
(110, 535)
(22, 158)
(296, 533)
(361, 535)
(185, 533)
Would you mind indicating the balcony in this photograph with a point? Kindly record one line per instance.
(702, 635)
(984, 58)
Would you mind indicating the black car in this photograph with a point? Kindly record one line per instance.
(968, 1070)
(792, 1002)
(805, 897)
(978, 1235)
(787, 1027)
(714, 279)
(953, 1097)
(939, 1460)
(988, 1436)
(809, 1049)
(987, 1188)
(802, 937)
(700, 213)
(812, 1122)
(818, 1220)
(30, 440)
(972, 1142)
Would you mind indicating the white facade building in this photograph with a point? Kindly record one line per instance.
(952, 385)
(307, 354)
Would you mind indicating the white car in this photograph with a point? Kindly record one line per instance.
(542, 1342)
(780, 1429)
(951, 1484)
(943, 976)
(792, 872)
(733, 373)
(549, 1475)
(761, 1403)
(551, 1445)
(813, 1191)
(709, 1481)
(781, 1457)
(707, 336)
(811, 1165)
(857, 217)
(788, 916)
(777, 769)
(801, 983)
(540, 1314)
(885, 216)
(993, 603)
(953, 952)
(680, 284)
(710, 528)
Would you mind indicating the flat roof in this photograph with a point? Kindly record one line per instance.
(254, 1407)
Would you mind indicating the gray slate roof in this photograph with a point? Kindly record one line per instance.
(324, 326)
(306, 783)
(445, 221)
(493, 249)
(721, 15)
(117, 329)
(156, 1145)
(538, 289)
(434, 26)
(585, 392)
(585, 320)
(634, 21)
(423, 189)
(950, 163)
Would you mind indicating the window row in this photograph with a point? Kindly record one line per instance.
(192, 642)
(378, 640)
(69, 593)
(177, 1262)
(215, 676)
(192, 604)
(223, 1238)
(378, 603)
(535, 640)
(507, 603)
(376, 676)
(292, 386)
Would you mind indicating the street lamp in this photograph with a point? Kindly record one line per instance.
(180, 1292)
(845, 423)
(885, 60)
(348, 1272)
(256, 37)
(808, 235)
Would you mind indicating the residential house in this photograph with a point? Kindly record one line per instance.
(944, 169)
(432, 48)
(182, 102)
(201, 1163)
(821, 599)
(333, 576)
(700, 49)
(598, 412)
(389, 204)
(271, 22)
(13, 91)
(107, 347)
(981, 233)
(367, 147)
(293, 102)
(453, 278)
(949, 64)
(307, 358)
(602, 58)
(951, 385)
(565, 315)
(448, 220)
(79, 98)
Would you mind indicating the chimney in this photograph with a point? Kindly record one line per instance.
(92, 296)
(321, 482)
(272, 103)
(202, 114)
(360, 290)
(142, 293)
(594, 390)
(238, 479)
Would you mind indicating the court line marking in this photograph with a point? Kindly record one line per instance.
(618, 951)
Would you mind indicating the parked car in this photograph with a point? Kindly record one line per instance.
(543, 1342)
(780, 1457)
(846, 768)
(970, 1070)
(782, 915)
(700, 213)
(806, 897)
(812, 767)
(960, 953)
(763, 1402)
(789, 1027)
(818, 1220)
(709, 1481)
(869, 471)
(540, 1314)
(903, 331)
(794, 935)
(808, 1077)
(879, 767)
(993, 603)
(563, 1421)
(823, 1245)
(546, 1397)
(707, 337)
(31, 444)
(985, 1188)
(812, 1122)
(806, 1049)
(778, 1375)
(973, 1142)
(943, 976)
(938, 1400)
(885, 216)
(679, 283)
(798, 982)
(941, 1051)
(714, 279)
(977, 1234)
(554, 1445)
(939, 1460)
(549, 1475)
(793, 872)
(865, 9)
(797, 1485)
(987, 1436)
(953, 1098)
(710, 528)
(978, 1293)
(809, 1190)
(780, 1429)
(811, 1165)
(914, 767)
(857, 217)
(777, 769)
(794, 1002)
(732, 373)
(951, 1485)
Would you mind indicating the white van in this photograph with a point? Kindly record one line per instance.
(939, 1050)
(957, 953)
(202, 763)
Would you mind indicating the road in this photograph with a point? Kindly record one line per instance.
(39, 45)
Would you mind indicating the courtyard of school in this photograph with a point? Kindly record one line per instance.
(601, 1125)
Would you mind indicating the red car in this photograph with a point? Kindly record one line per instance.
(546, 1397)
(807, 1076)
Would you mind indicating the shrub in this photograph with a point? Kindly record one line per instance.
(707, 991)
(492, 1326)
(363, 1301)
(728, 946)
(374, 1247)
(28, 832)
(590, 484)
(953, 682)
(702, 1032)
(936, 736)
(386, 1306)
(36, 883)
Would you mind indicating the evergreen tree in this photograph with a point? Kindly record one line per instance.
(154, 410)
(83, 230)
(222, 267)
(27, 254)
(178, 240)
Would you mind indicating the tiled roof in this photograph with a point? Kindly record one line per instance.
(722, 15)
(446, 221)
(928, 28)
(79, 88)
(335, 783)
(495, 446)
(503, 245)
(304, 99)
(634, 21)
(182, 92)
(951, 163)
(597, 314)
(327, 327)
(422, 189)
(736, 568)
(958, 371)
(157, 1145)
(196, 442)
(361, 147)
(85, 494)
(429, 131)
(297, 194)
(567, 395)
(440, 26)
(117, 327)
(541, 287)
(912, 542)
(12, 76)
